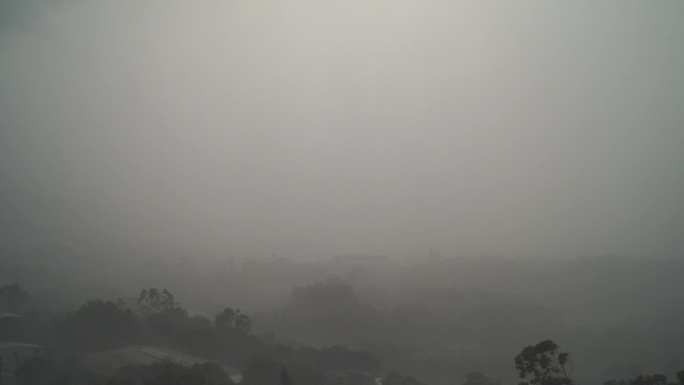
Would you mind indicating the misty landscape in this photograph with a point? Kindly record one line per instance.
(358, 192)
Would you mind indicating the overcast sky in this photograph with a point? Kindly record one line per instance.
(317, 128)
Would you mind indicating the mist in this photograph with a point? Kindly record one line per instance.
(320, 128)
(354, 192)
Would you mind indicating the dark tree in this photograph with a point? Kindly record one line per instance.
(680, 377)
(226, 318)
(169, 321)
(45, 371)
(156, 301)
(655, 379)
(35, 371)
(171, 374)
(98, 325)
(12, 297)
(242, 322)
(285, 377)
(260, 371)
(342, 358)
(233, 320)
(479, 378)
(394, 378)
(11, 327)
(543, 364)
(329, 312)
(267, 371)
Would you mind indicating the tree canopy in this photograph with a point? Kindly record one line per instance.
(543, 364)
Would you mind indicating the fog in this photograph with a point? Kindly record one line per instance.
(317, 128)
(391, 192)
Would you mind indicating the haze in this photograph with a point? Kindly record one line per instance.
(312, 129)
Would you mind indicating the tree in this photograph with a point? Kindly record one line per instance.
(169, 321)
(329, 312)
(680, 377)
(342, 358)
(479, 378)
(655, 379)
(99, 325)
(285, 377)
(233, 320)
(543, 364)
(12, 297)
(167, 373)
(45, 371)
(260, 371)
(265, 370)
(394, 378)
(156, 301)
(36, 371)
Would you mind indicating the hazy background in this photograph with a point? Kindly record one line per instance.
(311, 128)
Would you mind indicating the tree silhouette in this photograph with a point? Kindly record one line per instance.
(157, 301)
(98, 325)
(233, 320)
(654, 379)
(479, 378)
(285, 378)
(543, 364)
(12, 297)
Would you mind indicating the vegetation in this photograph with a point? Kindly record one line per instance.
(543, 364)
(12, 297)
(46, 371)
(171, 374)
(98, 325)
(232, 320)
(479, 378)
(654, 379)
(351, 325)
(155, 301)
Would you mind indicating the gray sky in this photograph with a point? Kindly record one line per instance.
(325, 127)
